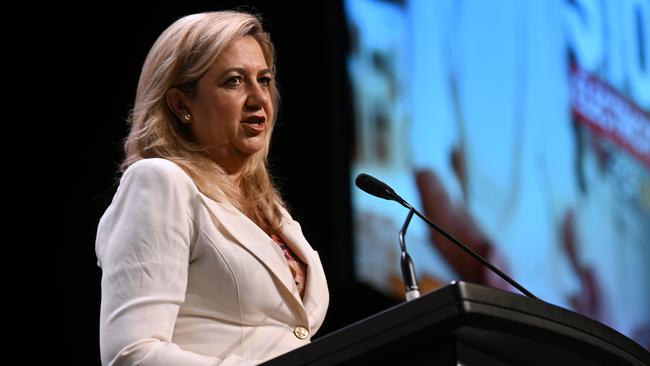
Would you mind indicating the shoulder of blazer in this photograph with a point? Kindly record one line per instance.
(158, 166)
(162, 177)
(160, 172)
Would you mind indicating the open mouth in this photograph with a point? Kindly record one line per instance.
(254, 123)
(255, 120)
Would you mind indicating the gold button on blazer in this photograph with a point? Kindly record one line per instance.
(190, 281)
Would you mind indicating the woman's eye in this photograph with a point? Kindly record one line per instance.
(265, 80)
(235, 80)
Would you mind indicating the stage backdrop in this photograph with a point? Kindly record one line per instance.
(523, 128)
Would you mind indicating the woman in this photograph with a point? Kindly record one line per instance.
(201, 263)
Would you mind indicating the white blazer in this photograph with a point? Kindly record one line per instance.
(189, 281)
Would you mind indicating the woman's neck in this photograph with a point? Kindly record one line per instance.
(235, 178)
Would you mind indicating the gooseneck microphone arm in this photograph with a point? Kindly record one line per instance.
(380, 189)
(477, 257)
(408, 271)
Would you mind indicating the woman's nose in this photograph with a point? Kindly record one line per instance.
(258, 96)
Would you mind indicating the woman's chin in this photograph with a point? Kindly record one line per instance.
(251, 147)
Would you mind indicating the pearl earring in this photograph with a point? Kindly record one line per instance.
(187, 117)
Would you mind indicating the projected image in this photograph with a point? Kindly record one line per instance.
(523, 129)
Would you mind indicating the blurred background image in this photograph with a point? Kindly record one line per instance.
(523, 129)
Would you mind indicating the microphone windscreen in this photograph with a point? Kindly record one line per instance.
(374, 186)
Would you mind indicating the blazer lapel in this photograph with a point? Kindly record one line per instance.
(316, 291)
(254, 240)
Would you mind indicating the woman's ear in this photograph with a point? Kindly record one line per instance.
(176, 101)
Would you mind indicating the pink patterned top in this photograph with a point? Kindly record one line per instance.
(296, 266)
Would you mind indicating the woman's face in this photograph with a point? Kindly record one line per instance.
(232, 110)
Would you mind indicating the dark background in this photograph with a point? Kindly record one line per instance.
(97, 63)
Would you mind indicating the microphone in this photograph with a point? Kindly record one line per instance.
(375, 187)
(380, 189)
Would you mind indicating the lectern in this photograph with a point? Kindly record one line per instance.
(468, 324)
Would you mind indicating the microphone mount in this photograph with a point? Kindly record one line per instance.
(408, 271)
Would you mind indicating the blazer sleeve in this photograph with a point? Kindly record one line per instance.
(143, 246)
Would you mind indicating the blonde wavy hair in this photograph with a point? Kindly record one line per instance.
(178, 59)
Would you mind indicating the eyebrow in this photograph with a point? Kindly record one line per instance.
(241, 70)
